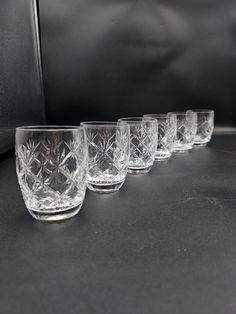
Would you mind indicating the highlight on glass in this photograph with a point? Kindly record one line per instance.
(143, 143)
(166, 135)
(108, 155)
(51, 164)
(186, 128)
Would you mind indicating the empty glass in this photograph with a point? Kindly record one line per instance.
(51, 168)
(166, 135)
(143, 142)
(205, 126)
(108, 155)
(185, 131)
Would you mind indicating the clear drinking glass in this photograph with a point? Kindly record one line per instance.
(51, 168)
(185, 131)
(166, 135)
(108, 155)
(205, 126)
(143, 142)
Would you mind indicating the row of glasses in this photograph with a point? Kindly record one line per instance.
(55, 164)
(192, 127)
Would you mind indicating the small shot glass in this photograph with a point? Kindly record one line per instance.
(143, 142)
(108, 155)
(186, 127)
(166, 135)
(51, 166)
(205, 126)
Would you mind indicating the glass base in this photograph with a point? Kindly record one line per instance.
(159, 158)
(106, 188)
(55, 215)
(200, 144)
(162, 157)
(139, 170)
(183, 149)
(201, 140)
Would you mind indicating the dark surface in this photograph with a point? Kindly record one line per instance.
(165, 243)
(111, 58)
(21, 95)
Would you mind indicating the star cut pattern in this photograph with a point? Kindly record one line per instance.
(205, 127)
(108, 156)
(52, 175)
(186, 130)
(166, 134)
(143, 142)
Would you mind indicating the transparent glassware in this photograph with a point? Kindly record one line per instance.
(166, 135)
(205, 126)
(143, 143)
(186, 128)
(108, 155)
(51, 168)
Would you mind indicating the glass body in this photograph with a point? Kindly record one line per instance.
(108, 155)
(205, 126)
(143, 143)
(51, 168)
(166, 135)
(186, 127)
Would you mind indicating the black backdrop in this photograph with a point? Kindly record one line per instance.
(21, 94)
(106, 59)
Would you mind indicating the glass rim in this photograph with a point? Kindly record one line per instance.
(181, 113)
(103, 124)
(202, 110)
(49, 128)
(157, 115)
(135, 120)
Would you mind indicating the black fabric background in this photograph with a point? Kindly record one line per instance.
(21, 95)
(107, 59)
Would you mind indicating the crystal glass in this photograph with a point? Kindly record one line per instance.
(108, 155)
(186, 123)
(143, 142)
(166, 135)
(51, 168)
(205, 126)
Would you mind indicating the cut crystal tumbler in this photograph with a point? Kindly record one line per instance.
(51, 166)
(205, 126)
(143, 143)
(108, 155)
(185, 131)
(166, 135)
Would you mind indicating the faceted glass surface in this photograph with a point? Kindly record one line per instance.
(143, 143)
(108, 155)
(51, 170)
(205, 126)
(186, 127)
(166, 135)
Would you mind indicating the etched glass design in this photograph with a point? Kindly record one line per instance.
(143, 143)
(186, 127)
(108, 155)
(166, 135)
(205, 126)
(51, 170)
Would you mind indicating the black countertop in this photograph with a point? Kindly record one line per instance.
(165, 243)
